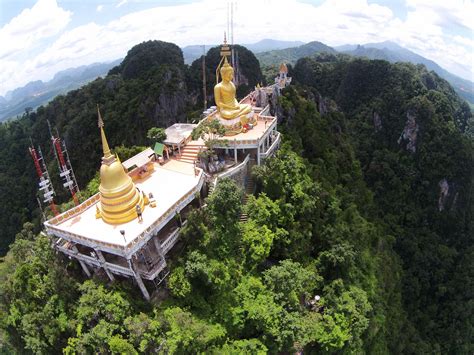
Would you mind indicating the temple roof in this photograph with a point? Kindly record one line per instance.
(178, 132)
(140, 159)
(283, 68)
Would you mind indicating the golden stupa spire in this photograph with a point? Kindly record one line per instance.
(105, 144)
(119, 197)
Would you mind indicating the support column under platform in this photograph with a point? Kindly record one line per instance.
(138, 278)
(102, 262)
(83, 264)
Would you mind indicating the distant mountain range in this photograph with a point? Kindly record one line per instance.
(392, 52)
(268, 52)
(191, 53)
(37, 93)
(388, 51)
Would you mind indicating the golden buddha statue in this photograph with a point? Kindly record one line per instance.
(119, 197)
(224, 94)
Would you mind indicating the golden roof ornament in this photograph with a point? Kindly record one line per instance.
(118, 194)
(225, 51)
(105, 145)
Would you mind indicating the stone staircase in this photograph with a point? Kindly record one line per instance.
(190, 151)
(249, 190)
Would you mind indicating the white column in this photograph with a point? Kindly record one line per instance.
(158, 247)
(258, 152)
(139, 280)
(235, 151)
(102, 262)
(83, 264)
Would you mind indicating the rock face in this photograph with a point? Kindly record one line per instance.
(410, 132)
(448, 195)
(322, 107)
(377, 121)
(261, 98)
(169, 109)
(443, 194)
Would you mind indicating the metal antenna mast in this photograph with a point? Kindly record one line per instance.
(45, 186)
(65, 168)
(228, 18)
(204, 91)
(232, 33)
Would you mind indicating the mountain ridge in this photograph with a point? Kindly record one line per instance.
(393, 52)
(195, 51)
(37, 93)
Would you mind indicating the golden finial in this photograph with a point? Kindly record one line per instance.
(105, 144)
(226, 63)
(100, 121)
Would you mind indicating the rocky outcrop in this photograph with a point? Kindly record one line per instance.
(169, 109)
(448, 195)
(377, 121)
(410, 132)
(443, 194)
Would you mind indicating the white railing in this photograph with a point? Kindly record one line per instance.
(273, 147)
(151, 274)
(235, 170)
(171, 240)
(118, 269)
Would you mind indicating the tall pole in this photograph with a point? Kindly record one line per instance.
(232, 32)
(228, 18)
(204, 77)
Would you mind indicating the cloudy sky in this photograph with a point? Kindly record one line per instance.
(41, 37)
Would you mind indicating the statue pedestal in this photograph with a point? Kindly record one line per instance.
(234, 126)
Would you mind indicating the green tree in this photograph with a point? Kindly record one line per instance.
(156, 134)
(187, 334)
(291, 283)
(210, 131)
(36, 292)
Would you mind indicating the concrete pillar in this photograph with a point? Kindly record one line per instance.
(139, 280)
(258, 152)
(158, 247)
(83, 264)
(102, 261)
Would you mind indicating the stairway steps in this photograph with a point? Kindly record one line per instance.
(187, 155)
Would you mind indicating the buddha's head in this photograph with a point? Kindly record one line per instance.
(227, 72)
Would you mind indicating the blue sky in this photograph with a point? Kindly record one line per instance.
(42, 37)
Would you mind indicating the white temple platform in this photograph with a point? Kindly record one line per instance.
(169, 184)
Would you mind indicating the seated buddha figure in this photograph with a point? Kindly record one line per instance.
(224, 94)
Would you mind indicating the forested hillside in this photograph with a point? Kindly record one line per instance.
(368, 205)
(413, 138)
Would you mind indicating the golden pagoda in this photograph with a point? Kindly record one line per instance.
(119, 197)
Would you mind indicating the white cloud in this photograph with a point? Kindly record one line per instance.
(43, 20)
(99, 8)
(334, 22)
(446, 13)
(121, 3)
